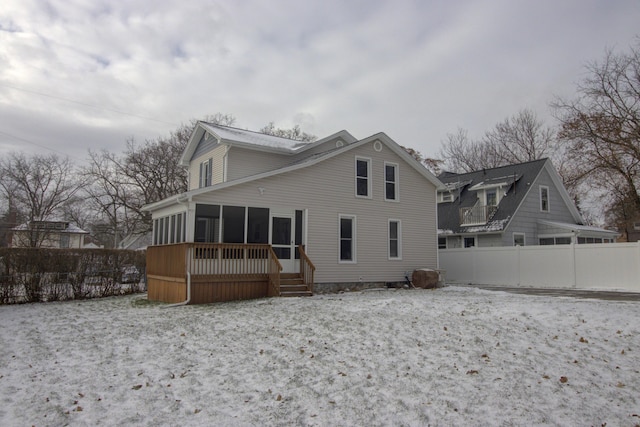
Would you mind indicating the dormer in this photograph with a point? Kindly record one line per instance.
(451, 191)
(491, 191)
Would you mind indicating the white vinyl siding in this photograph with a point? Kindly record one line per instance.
(216, 156)
(528, 214)
(242, 162)
(326, 190)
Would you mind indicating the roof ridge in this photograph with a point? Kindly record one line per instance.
(255, 132)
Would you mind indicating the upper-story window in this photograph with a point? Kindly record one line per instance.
(491, 195)
(205, 173)
(390, 181)
(544, 198)
(363, 177)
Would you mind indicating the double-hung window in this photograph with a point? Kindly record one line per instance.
(363, 177)
(347, 238)
(492, 197)
(544, 198)
(390, 181)
(395, 239)
(205, 173)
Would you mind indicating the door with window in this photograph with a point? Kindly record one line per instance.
(282, 241)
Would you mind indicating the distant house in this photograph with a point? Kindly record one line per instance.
(631, 232)
(522, 204)
(48, 234)
(136, 241)
(342, 212)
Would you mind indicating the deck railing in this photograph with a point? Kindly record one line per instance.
(478, 214)
(307, 269)
(209, 259)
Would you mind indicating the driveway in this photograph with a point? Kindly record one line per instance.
(573, 293)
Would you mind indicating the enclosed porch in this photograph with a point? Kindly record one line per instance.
(201, 273)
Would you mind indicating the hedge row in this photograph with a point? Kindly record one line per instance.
(36, 275)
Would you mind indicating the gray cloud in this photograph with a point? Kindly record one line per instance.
(78, 75)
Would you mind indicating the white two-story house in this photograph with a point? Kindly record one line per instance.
(362, 212)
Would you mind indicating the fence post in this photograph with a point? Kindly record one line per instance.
(574, 270)
(519, 264)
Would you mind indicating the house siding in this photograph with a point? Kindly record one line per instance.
(217, 170)
(489, 240)
(204, 146)
(320, 148)
(326, 190)
(529, 212)
(243, 162)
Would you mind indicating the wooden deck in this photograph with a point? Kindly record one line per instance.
(218, 272)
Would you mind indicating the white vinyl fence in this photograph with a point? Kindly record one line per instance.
(587, 266)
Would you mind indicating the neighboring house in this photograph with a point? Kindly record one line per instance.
(522, 204)
(363, 210)
(48, 234)
(136, 242)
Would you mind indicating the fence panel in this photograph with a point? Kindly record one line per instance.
(590, 266)
(616, 267)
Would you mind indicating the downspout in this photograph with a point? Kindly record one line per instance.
(188, 300)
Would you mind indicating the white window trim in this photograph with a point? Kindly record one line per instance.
(399, 257)
(544, 187)
(445, 197)
(396, 183)
(225, 160)
(354, 246)
(556, 236)
(524, 238)
(446, 242)
(206, 173)
(486, 196)
(369, 177)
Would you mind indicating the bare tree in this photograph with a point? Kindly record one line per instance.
(521, 138)
(145, 173)
(294, 133)
(518, 139)
(432, 164)
(461, 154)
(600, 129)
(39, 187)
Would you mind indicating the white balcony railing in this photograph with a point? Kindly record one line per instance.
(476, 215)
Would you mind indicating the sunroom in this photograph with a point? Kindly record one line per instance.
(217, 252)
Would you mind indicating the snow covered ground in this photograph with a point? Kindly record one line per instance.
(452, 356)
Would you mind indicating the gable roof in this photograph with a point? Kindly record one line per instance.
(303, 163)
(253, 140)
(516, 179)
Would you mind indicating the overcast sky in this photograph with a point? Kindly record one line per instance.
(90, 74)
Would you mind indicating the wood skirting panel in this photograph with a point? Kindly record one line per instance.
(207, 289)
(170, 290)
(219, 291)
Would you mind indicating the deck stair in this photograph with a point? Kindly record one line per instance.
(292, 285)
